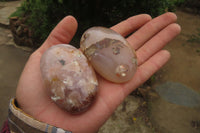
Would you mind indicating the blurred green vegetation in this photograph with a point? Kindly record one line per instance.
(43, 15)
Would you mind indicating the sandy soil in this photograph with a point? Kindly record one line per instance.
(184, 66)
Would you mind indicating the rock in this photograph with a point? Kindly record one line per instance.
(30, 34)
(25, 30)
(9, 35)
(14, 18)
(18, 23)
(19, 30)
(70, 80)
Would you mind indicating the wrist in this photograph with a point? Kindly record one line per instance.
(19, 122)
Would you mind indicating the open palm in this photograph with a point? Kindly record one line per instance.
(149, 37)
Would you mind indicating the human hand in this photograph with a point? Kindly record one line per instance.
(149, 37)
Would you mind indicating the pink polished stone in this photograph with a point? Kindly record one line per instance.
(71, 81)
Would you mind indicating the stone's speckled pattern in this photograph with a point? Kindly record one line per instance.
(109, 53)
(71, 81)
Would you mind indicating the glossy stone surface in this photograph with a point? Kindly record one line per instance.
(69, 78)
(109, 53)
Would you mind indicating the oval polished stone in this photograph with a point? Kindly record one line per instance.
(70, 80)
(109, 53)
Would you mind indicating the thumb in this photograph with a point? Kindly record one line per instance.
(61, 34)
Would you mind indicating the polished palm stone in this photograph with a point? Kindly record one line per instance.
(109, 53)
(70, 80)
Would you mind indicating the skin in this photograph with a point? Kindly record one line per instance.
(148, 37)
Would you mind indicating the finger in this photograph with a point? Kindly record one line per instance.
(146, 70)
(137, 39)
(131, 24)
(157, 42)
(61, 34)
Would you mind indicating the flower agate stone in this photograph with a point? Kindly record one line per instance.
(109, 53)
(71, 81)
